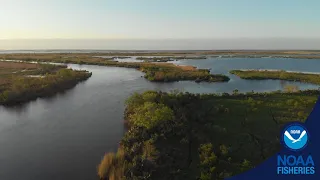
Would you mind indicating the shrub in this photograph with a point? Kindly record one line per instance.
(235, 92)
(150, 114)
(224, 150)
(246, 165)
(149, 96)
(291, 88)
(149, 152)
(208, 161)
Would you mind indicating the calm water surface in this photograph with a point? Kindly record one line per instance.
(224, 65)
(65, 136)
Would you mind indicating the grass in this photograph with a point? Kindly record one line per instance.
(282, 75)
(111, 166)
(10, 70)
(211, 136)
(17, 85)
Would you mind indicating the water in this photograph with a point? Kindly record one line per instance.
(65, 136)
(224, 65)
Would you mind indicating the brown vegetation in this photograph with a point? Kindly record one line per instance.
(59, 56)
(15, 65)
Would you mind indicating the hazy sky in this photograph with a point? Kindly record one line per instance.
(159, 19)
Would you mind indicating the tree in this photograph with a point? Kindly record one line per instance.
(235, 92)
(208, 161)
(65, 72)
(150, 114)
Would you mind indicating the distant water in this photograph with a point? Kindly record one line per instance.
(64, 137)
(224, 65)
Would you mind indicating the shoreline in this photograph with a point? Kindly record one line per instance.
(65, 87)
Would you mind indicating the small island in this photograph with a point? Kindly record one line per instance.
(277, 74)
(22, 82)
(165, 72)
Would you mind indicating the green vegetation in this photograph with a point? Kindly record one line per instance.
(282, 75)
(22, 82)
(158, 72)
(167, 72)
(202, 136)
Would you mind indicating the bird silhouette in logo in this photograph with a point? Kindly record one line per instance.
(295, 140)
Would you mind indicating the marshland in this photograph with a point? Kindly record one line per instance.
(197, 101)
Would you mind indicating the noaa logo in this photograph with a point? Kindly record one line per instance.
(295, 137)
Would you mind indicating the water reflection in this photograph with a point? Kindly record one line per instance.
(282, 83)
(17, 109)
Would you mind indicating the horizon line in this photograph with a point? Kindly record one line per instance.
(211, 38)
(138, 50)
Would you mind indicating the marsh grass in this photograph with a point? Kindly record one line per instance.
(21, 82)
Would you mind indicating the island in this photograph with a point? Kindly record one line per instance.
(278, 74)
(21, 82)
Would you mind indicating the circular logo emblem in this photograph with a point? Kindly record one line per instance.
(295, 136)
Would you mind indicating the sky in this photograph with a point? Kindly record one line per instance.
(159, 19)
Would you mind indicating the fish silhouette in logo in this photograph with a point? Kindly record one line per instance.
(295, 140)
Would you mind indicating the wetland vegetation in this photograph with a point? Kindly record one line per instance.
(173, 54)
(158, 72)
(172, 135)
(282, 75)
(22, 82)
(201, 136)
